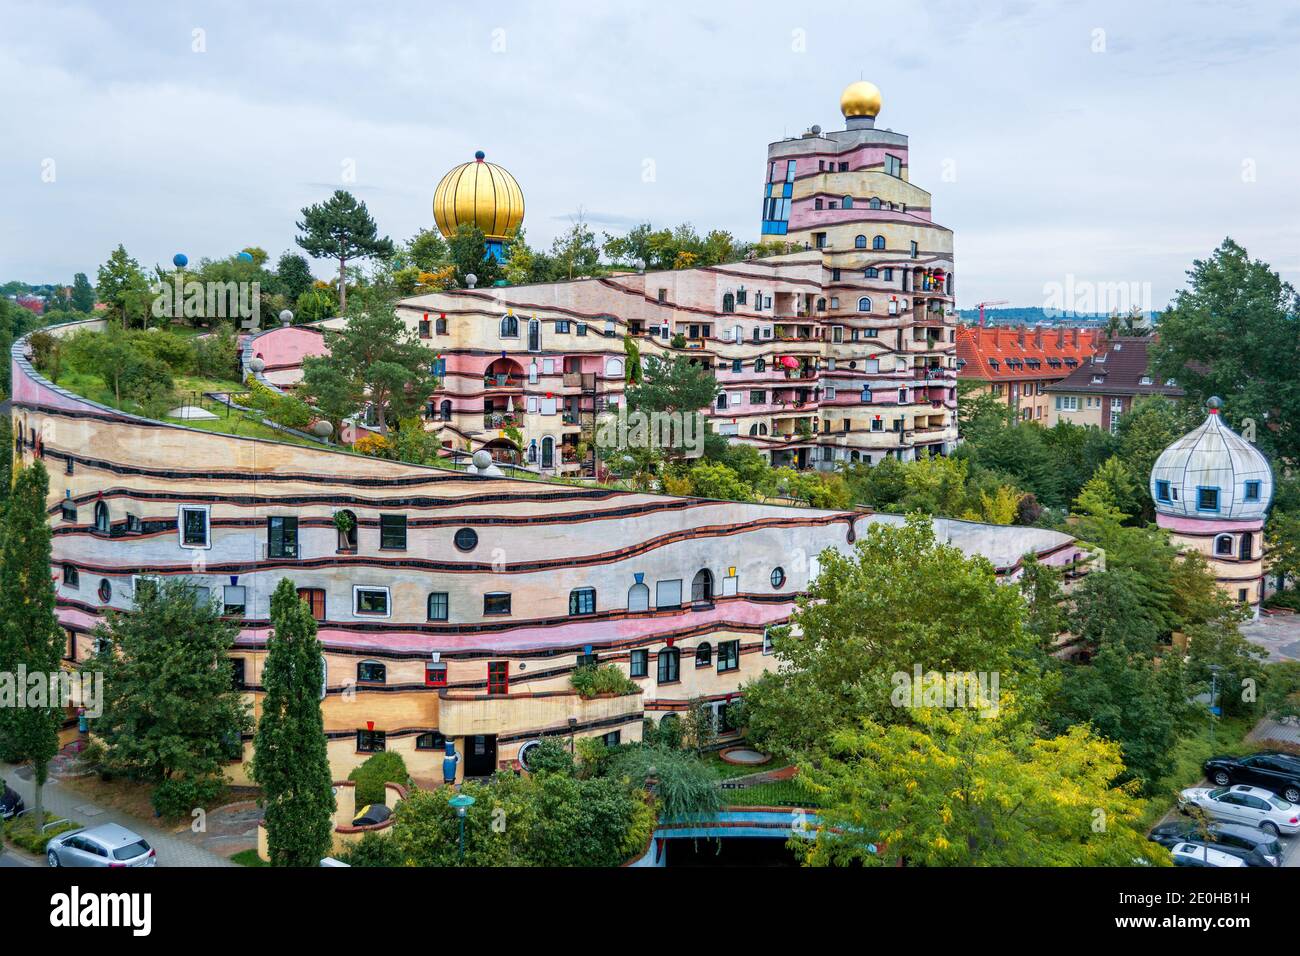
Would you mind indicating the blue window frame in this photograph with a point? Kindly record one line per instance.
(1207, 499)
(1252, 491)
(1162, 488)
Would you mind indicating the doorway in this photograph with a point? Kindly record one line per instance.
(480, 755)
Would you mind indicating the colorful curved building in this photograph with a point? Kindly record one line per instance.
(843, 351)
(450, 606)
(1212, 489)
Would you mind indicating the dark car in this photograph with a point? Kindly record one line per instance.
(371, 814)
(1268, 769)
(1260, 848)
(10, 802)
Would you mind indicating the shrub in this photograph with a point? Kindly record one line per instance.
(668, 734)
(178, 796)
(592, 756)
(215, 355)
(174, 351)
(22, 832)
(379, 769)
(684, 783)
(551, 756)
(373, 849)
(591, 680)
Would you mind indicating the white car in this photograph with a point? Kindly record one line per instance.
(1198, 854)
(1243, 804)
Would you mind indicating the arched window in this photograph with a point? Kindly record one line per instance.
(441, 325)
(444, 409)
(614, 368)
(860, 242)
(638, 598)
(871, 273)
(101, 518)
(704, 655)
(875, 202)
(702, 586)
(847, 203)
(760, 365)
(821, 305)
(548, 452)
(346, 523)
(534, 335)
(758, 429)
(728, 303)
(371, 672)
(509, 327)
(878, 242)
(532, 451)
(864, 304)
(430, 741)
(670, 665)
(1223, 544)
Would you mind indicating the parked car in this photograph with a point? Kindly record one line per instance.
(1199, 854)
(10, 803)
(1242, 804)
(110, 846)
(1278, 772)
(371, 814)
(1224, 836)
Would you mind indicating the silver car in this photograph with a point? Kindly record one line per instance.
(109, 846)
(1242, 804)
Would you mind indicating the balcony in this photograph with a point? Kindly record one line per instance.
(462, 714)
(583, 380)
(501, 419)
(503, 381)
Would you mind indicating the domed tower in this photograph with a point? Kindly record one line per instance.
(481, 194)
(1212, 489)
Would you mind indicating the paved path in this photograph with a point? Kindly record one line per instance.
(174, 849)
(1279, 634)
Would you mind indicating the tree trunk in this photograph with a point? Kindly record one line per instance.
(343, 287)
(39, 808)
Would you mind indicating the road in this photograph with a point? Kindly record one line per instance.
(174, 849)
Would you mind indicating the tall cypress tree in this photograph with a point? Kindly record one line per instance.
(30, 635)
(290, 762)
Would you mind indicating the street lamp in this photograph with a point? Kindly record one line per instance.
(462, 802)
(1214, 692)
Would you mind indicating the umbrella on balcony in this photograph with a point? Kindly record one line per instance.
(510, 404)
(789, 361)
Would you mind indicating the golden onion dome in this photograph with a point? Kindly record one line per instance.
(478, 193)
(860, 99)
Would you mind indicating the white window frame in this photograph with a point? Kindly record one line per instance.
(368, 615)
(207, 527)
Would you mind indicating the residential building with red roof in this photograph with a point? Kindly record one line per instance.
(1019, 364)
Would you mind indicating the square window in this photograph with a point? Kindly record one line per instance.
(435, 674)
(668, 593)
(1252, 491)
(371, 741)
(1162, 488)
(392, 532)
(496, 603)
(639, 663)
(315, 600)
(234, 600)
(728, 656)
(582, 601)
(282, 537)
(71, 579)
(438, 606)
(194, 527)
(498, 677)
(1207, 499)
(372, 602)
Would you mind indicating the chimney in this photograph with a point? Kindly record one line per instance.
(1022, 336)
(1074, 337)
(1060, 337)
(1038, 338)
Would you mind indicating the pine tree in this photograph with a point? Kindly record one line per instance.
(83, 293)
(342, 228)
(290, 761)
(30, 635)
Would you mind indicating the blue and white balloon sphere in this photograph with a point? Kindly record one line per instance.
(180, 260)
(246, 257)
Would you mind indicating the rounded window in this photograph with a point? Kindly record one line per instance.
(466, 539)
(525, 751)
(778, 577)
(105, 591)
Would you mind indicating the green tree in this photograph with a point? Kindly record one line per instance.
(83, 294)
(901, 599)
(1040, 584)
(427, 250)
(30, 635)
(468, 253)
(6, 462)
(1111, 490)
(341, 228)
(294, 275)
(290, 762)
(953, 789)
(121, 285)
(710, 480)
(1151, 426)
(375, 358)
(1232, 333)
(575, 251)
(171, 711)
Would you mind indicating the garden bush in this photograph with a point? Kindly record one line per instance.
(373, 849)
(591, 680)
(179, 796)
(379, 769)
(22, 832)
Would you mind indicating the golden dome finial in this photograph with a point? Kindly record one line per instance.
(860, 99)
(481, 193)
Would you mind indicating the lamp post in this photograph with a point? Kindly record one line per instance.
(462, 802)
(1214, 692)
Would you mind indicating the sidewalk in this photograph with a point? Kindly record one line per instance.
(174, 849)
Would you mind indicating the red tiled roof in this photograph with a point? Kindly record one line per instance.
(1002, 353)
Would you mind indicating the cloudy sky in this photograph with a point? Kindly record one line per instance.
(1108, 142)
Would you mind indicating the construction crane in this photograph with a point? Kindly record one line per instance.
(980, 306)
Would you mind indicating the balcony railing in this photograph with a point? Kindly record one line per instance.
(503, 381)
(500, 419)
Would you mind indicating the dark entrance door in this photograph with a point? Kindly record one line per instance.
(480, 755)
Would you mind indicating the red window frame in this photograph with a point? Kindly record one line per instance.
(435, 674)
(498, 677)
